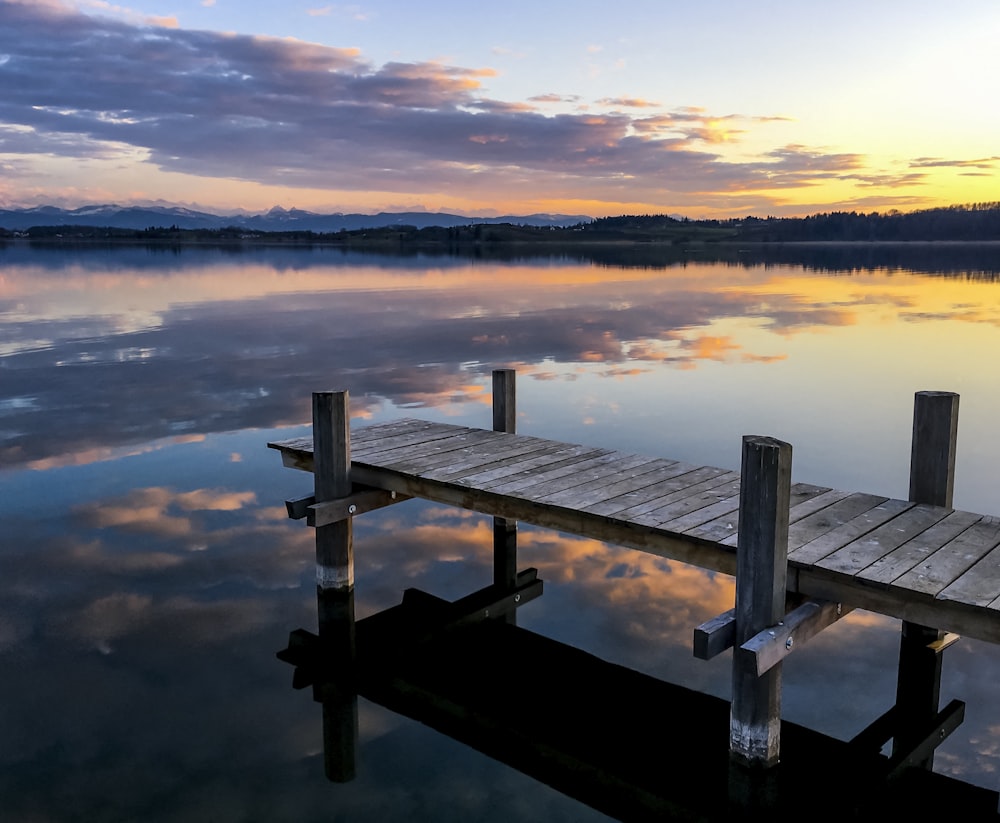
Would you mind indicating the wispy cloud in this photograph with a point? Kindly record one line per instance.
(938, 162)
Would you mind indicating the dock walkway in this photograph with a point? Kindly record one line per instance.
(930, 565)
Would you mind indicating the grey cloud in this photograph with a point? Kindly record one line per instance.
(295, 113)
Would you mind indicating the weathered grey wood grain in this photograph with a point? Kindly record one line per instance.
(830, 541)
(560, 477)
(722, 505)
(603, 485)
(812, 526)
(691, 502)
(857, 555)
(755, 715)
(947, 564)
(980, 585)
(559, 462)
(534, 459)
(726, 526)
(437, 453)
(677, 488)
(806, 508)
(917, 548)
(391, 436)
(483, 456)
(647, 487)
(331, 416)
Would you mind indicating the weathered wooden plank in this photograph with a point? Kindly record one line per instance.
(691, 502)
(812, 526)
(382, 439)
(538, 459)
(830, 541)
(648, 487)
(699, 480)
(723, 506)
(800, 511)
(425, 456)
(857, 555)
(604, 485)
(395, 428)
(485, 456)
(591, 480)
(473, 456)
(559, 462)
(557, 478)
(727, 525)
(980, 585)
(947, 564)
(909, 554)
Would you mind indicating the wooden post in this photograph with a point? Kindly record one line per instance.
(932, 481)
(504, 401)
(332, 479)
(761, 570)
(335, 585)
(504, 530)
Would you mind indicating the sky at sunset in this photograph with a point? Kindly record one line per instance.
(722, 108)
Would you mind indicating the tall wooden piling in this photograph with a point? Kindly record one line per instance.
(761, 564)
(932, 481)
(332, 479)
(504, 530)
(335, 585)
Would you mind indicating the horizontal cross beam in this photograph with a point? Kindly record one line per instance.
(362, 499)
(774, 644)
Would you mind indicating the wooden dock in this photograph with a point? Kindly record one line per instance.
(802, 555)
(923, 563)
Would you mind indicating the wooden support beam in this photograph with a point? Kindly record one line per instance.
(925, 739)
(332, 480)
(362, 499)
(774, 644)
(298, 508)
(761, 566)
(932, 481)
(490, 603)
(714, 636)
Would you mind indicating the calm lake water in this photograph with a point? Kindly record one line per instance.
(148, 573)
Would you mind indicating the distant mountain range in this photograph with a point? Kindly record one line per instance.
(277, 219)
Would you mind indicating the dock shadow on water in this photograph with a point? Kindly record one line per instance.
(629, 745)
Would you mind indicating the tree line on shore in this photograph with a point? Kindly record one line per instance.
(971, 222)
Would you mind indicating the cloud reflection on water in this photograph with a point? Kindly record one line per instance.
(166, 577)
